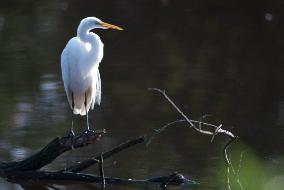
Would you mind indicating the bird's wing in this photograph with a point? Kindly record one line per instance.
(98, 89)
(65, 74)
(68, 56)
(96, 97)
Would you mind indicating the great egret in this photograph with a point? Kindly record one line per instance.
(80, 61)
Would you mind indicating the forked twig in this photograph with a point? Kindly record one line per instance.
(191, 122)
(197, 125)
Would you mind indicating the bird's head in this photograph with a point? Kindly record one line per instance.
(93, 22)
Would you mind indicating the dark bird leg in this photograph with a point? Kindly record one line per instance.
(71, 133)
(85, 103)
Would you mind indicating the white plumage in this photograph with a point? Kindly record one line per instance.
(80, 61)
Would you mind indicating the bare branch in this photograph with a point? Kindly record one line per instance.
(193, 122)
(157, 131)
(216, 132)
(198, 126)
(89, 162)
(163, 92)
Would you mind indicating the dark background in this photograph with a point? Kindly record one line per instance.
(222, 58)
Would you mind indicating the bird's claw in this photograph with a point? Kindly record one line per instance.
(71, 134)
(89, 131)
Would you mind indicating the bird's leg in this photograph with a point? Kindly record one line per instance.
(85, 103)
(71, 133)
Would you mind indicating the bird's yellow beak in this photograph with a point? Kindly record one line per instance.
(111, 26)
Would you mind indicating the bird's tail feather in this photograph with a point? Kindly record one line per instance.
(79, 102)
(79, 111)
(98, 89)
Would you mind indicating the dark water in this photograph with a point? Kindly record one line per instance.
(220, 58)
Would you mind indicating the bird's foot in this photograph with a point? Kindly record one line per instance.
(71, 134)
(88, 130)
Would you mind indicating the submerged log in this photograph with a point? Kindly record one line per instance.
(22, 172)
(89, 162)
(175, 179)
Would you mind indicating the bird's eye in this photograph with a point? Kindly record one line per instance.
(97, 22)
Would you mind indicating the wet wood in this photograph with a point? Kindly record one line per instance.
(26, 172)
(89, 162)
(51, 151)
(59, 178)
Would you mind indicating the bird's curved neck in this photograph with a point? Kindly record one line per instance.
(92, 48)
(84, 33)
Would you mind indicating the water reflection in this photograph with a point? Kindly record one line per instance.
(20, 117)
(19, 153)
(2, 22)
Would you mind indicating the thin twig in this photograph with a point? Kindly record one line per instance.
(157, 131)
(216, 132)
(238, 171)
(171, 102)
(228, 178)
(87, 163)
(228, 162)
(102, 173)
(197, 125)
(191, 122)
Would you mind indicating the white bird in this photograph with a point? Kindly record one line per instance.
(80, 61)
